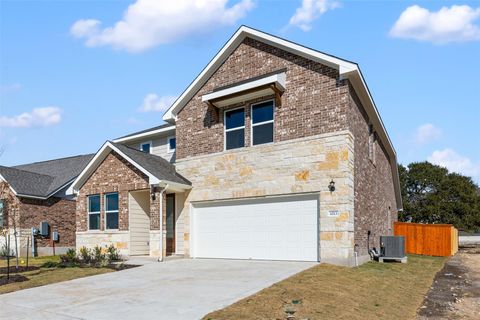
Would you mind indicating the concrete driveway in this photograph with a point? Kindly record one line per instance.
(178, 289)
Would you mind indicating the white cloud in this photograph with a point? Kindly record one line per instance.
(38, 117)
(455, 162)
(426, 133)
(152, 102)
(454, 24)
(310, 11)
(10, 88)
(148, 23)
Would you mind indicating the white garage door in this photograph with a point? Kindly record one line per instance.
(277, 228)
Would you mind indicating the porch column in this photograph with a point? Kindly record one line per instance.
(155, 224)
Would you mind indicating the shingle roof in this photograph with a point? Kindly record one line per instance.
(156, 165)
(166, 125)
(41, 179)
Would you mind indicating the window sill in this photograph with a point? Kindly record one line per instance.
(104, 231)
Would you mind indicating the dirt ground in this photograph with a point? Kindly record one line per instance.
(455, 292)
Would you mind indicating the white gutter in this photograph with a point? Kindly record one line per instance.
(162, 192)
(144, 134)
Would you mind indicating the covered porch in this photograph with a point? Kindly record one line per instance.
(131, 200)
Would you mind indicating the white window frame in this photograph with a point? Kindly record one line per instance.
(168, 144)
(110, 211)
(260, 123)
(225, 130)
(146, 142)
(94, 212)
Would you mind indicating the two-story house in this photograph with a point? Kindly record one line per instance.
(275, 151)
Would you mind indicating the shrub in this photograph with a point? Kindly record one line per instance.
(4, 251)
(113, 253)
(69, 257)
(49, 264)
(98, 257)
(85, 255)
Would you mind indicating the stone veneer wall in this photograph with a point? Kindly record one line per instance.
(115, 174)
(375, 203)
(28, 213)
(288, 167)
(314, 102)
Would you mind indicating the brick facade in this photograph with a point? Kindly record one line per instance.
(375, 203)
(25, 213)
(114, 174)
(315, 102)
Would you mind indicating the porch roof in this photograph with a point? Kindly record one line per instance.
(157, 169)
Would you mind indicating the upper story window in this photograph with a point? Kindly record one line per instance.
(262, 122)
(234, 129)
(146, 147)
(171, 144)
(94, 212)
(2, 215)
(111, 210)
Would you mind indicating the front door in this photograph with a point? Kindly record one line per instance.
(170, 224)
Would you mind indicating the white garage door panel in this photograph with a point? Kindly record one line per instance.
(274, 229)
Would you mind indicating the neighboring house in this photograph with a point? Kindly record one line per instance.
(35, 193)
(275, 151)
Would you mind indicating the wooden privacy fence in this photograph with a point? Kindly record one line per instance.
(428, 239)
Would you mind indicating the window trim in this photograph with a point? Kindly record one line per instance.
(225, 130)
(146, 142)
(260, 123)
(94, 212)
(168, 144)
(110, 211)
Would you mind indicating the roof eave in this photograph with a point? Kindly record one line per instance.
(144, 134)
(101, 154)
(243, 32)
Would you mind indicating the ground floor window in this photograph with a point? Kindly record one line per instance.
(94, 212)
(111, 210)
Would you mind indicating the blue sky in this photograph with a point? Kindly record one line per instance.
(74, 74)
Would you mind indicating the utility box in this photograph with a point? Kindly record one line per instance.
(392, 246)
(43, 229)
(55, 236)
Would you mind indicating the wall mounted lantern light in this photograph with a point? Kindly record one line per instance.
(331, 186)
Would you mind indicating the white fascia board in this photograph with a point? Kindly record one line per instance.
(342, 65)
(30, 196)
(145, 134)
(278, 79)
(97, 159)
(175, 186)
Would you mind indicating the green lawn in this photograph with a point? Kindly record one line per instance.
(45, 276)
(371, 291)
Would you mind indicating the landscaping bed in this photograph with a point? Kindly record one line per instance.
(372, 291)
(47, 270)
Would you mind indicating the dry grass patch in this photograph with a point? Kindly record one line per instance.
(371, 291)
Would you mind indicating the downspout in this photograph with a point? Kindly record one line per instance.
(162, 192)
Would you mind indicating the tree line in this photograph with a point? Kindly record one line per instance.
(432, 194)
